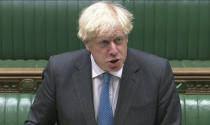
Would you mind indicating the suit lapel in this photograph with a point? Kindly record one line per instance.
(130, 77)
(83, 85)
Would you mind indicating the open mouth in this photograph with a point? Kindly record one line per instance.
(114, 61)
(114, 64)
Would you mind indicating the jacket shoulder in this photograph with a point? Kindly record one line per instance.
(149, 63)
(146, 58)
(68, 59)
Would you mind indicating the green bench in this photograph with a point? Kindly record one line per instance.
(15, 107)
(33, 30)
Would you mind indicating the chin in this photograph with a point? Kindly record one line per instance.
(114, 69)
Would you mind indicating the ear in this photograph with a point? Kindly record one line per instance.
(87, 45)
(126, 37)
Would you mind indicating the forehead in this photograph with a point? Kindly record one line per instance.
(111, 32)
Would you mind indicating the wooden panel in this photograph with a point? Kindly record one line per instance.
(27, 80)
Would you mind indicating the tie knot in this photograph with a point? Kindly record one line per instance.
(107, 77)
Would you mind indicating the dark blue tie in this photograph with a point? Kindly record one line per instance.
(105, 115)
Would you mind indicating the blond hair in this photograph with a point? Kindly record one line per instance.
(100, 17)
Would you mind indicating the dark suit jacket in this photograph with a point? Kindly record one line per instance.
(147, 93)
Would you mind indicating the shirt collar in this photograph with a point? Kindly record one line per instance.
(96, 70)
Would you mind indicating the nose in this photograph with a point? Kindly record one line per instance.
(113, 49)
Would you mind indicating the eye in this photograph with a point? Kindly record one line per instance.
(118, 40)
(103, 43)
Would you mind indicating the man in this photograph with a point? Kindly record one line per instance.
(106, 83)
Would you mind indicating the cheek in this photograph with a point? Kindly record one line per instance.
(100, 55)
(123, 50)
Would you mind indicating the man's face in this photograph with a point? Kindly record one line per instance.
(109, 49)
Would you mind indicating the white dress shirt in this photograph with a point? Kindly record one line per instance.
(97, 77)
